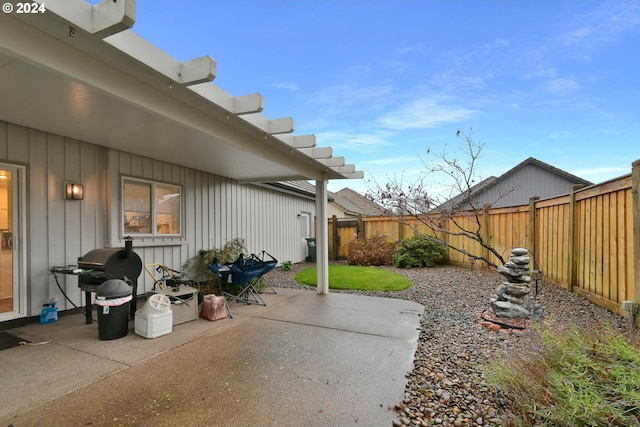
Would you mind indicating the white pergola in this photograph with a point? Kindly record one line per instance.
(79, 71)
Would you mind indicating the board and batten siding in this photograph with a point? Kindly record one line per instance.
(57, 231)
(215, 210)
(515, 189)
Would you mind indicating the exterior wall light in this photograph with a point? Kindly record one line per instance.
(74, 191)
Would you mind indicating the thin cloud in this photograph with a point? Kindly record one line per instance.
(401, 160)
(354, 141)
(577, 35)
(452, 81)
(405, 49)
(426, 112)
(602, 25)
(336, 99)
(287, 86)
(562, 135)
(560, 86)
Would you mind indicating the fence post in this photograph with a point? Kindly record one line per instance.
(335, 238)
(572, 258)
(635, 197)
(532, 231)
(361, 231)
(486, 234)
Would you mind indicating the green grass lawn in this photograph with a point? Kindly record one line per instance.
(357, 278)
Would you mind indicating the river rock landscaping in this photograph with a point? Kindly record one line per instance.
(446, 386)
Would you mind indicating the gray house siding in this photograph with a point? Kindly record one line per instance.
(516, 188)
(215, 210)
(56, 232)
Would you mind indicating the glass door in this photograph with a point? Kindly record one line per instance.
(11, 304)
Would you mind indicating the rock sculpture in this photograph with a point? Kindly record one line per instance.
(512, 300)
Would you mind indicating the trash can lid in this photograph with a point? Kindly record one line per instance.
(114, 288)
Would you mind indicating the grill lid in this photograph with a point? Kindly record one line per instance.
(116, 263)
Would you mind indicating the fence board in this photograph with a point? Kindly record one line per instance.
(598, 258)
(606, 242)
(629, 252)
(613, 246)
(622, 247)
(581, 248)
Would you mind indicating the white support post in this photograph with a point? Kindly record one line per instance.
(322, 236)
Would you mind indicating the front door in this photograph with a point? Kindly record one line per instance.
(12, 293)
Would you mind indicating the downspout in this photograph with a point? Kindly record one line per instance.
(322, 236)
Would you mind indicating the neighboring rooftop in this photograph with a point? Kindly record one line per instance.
(529, 178)
(355, 203)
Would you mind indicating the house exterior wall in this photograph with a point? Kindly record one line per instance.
(527, 182)
(338, 211)
(215, 210)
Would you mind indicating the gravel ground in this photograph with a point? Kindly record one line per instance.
(446, 386)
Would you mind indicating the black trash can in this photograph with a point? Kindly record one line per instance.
(311, 246)
(113, 298)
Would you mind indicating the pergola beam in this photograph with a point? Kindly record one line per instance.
(318, 152)
(354, 175)
(332, 162)
(345, 169)
(196, 71)
(104, 19)
(298, 141)
(270, 126)
(247, 104)
(110, 17)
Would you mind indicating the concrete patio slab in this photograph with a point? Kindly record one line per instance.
(305, 359)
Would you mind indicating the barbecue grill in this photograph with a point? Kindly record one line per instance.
(100, 265)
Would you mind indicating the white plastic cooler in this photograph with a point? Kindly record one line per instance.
(155, 318)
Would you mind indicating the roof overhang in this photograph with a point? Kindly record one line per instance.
(79, 71)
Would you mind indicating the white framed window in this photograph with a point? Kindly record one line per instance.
(151, 208)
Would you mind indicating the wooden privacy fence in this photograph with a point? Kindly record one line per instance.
(587, 241)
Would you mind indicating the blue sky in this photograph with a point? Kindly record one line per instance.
(381, 81)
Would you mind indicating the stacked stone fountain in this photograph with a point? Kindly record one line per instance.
(512, 300)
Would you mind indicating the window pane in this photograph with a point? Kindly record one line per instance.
(167, 209)
(137, 207)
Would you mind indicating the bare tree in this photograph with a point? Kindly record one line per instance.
(444, 194)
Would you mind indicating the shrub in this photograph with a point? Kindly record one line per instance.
(419, 251)
(287, 266)
(376, 250)
(573, 379)
(197, 267)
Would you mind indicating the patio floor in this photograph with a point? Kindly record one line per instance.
(304, 359)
